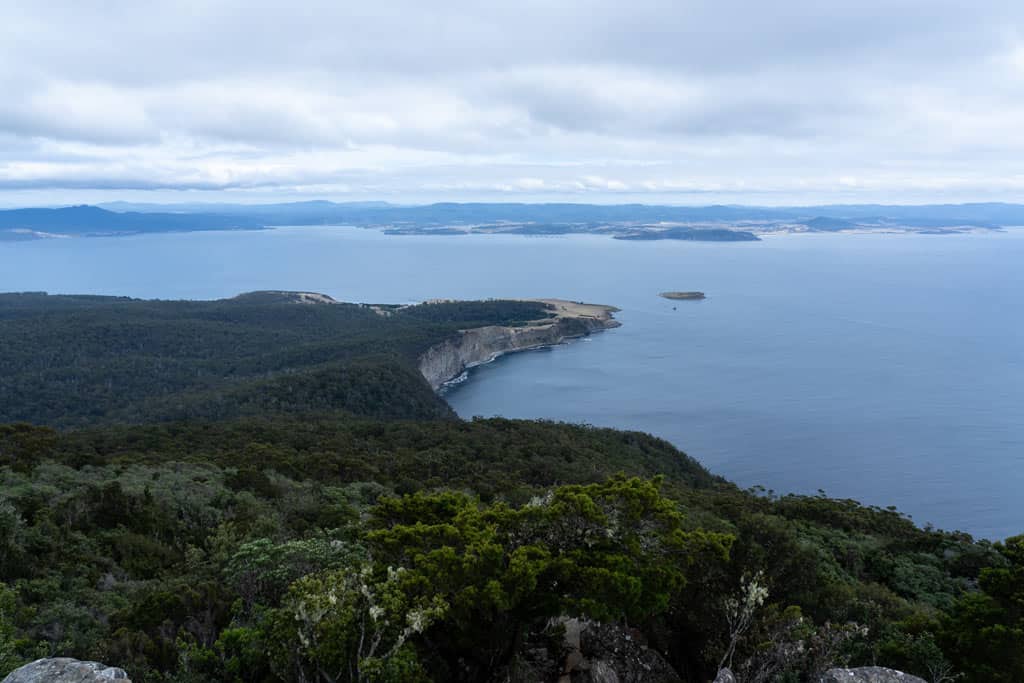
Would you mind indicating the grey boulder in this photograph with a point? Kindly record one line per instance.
(869, 674)
(65, 670)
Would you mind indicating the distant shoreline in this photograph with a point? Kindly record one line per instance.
(629, 222)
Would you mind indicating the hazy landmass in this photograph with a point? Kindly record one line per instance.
(625, 221)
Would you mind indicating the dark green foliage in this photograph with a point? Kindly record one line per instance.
(123, 543)
(508, 459)
(986, 630)
(609, 551)
(174, 545)
(77, 360)
(477, 313)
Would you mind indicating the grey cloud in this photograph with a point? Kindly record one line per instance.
(525, 97)
(189, 39)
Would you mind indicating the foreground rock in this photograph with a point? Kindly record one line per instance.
(869, 674)
(448, 360)
(65, 670)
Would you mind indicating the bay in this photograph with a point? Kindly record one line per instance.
(886, 368)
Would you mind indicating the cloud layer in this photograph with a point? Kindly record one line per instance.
(797, 101)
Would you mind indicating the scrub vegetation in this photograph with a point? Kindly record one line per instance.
(253, 490)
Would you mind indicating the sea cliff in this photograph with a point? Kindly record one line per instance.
(446, 361)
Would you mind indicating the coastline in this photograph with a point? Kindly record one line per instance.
(444, 363)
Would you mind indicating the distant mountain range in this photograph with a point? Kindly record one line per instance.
(628, 221)
(92, 220)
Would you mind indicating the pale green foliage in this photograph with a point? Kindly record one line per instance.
(740, 609)
(353, 626)
(187, 491)
(260, 570)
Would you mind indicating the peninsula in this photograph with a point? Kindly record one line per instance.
(468, 348)
(277, 351)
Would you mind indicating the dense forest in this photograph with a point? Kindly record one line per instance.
(256, 490)
(81, 360)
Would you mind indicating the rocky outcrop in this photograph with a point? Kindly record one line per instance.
(613, 654)
(591, 652)
(65, 670)
(448, 360)
(869, 674)
(866, 674)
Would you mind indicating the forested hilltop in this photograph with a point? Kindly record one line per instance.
(256, 489)
(81, 360)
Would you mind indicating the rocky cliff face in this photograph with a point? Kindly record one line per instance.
(448, 360)
(65, 670)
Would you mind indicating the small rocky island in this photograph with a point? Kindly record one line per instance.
(682, 296)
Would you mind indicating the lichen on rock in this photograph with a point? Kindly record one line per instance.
(869, 674)
(65, 670)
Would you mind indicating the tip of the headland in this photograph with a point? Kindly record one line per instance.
(577, 308)
(270, 296)
(564, 308)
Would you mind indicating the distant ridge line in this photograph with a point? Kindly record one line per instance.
(654, 221)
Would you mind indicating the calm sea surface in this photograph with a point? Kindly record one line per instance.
(886, 368)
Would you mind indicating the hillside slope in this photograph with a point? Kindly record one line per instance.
(267, 488)
(78, 360)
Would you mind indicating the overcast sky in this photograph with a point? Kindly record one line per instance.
(792, 101)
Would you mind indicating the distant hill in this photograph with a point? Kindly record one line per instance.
(629, 221)
(360, 213)
(91, 220)
(294, 208)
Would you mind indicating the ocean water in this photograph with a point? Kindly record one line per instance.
(886, 368)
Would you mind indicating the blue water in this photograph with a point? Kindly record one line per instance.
(886, 368)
